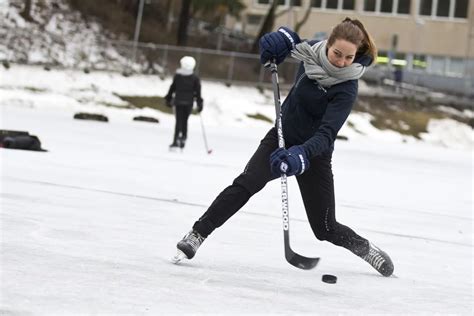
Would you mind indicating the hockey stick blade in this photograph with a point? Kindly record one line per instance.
(299, 261)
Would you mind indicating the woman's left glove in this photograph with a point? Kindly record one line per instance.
(292, 161)
(277, 45)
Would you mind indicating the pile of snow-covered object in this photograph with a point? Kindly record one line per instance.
(57, 36)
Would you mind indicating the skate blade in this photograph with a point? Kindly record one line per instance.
(178, 257)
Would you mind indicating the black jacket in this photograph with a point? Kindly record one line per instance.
(186, 88)
(312, 115)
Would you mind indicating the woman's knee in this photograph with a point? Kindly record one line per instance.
(250, 182)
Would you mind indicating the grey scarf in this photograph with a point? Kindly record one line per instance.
(318, 67)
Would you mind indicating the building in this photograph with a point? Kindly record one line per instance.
(426, 36)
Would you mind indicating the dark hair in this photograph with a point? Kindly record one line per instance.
(353, 31)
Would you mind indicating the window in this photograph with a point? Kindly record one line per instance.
(316, 3)
(388, 6)
(425, 7)
(254, 19)
(295, 3)
(382, 57)
(399, 59)
(348, 5)
(460, 8)
(369, 5)
(444, 8)
(455, 67)
(403, 7)
(419, 62)
(437, 65)
(333, 4)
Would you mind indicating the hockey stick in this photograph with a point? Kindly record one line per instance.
(209, 151)
(292, 257)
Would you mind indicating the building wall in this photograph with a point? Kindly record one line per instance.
(450, 37)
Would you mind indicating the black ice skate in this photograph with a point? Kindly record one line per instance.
(181, 143)
(379, 260)
(188, 246)
(174, 146)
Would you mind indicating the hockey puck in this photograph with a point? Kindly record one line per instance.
(328, 278)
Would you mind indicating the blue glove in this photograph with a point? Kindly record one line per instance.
(277, 45)
(289, 161)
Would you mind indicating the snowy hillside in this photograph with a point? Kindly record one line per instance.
(58, 36)
(99, 91)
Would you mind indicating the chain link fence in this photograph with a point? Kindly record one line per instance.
(163, 60)
(223, 66)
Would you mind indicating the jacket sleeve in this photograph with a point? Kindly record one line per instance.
(171, 90)
(197, 92)
(338, 109)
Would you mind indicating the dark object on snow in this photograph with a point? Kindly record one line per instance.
(328, 278)
(90, 116)
(146, 119)
(342, 137)
(5, 133)
(19, 140)
(6, 64)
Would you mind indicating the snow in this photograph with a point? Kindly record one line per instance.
(58, 35)
(89, 227)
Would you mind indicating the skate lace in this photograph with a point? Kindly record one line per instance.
(194, 240)
(375, 258)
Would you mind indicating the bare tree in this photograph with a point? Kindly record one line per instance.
(184, 16)
(26, 13)
(220, 8)
(267, 25)
(302, 22)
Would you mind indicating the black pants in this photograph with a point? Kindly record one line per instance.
(182, 113)
(316, 187)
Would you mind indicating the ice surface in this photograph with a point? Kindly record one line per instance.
(89, 227)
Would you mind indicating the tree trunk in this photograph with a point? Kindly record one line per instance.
(26, 13)
(300, 23)
(267, 25)
(184, 17)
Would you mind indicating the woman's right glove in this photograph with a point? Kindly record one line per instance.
(291, 161)
(277, 45)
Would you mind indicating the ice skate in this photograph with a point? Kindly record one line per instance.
(178, 257)
(174, 146)
(379, 260)
(181, 143)
(188, 246)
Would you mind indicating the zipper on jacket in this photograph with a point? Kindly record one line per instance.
(299, 79)
(315, 82)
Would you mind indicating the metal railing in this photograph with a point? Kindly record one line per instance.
(224, 66)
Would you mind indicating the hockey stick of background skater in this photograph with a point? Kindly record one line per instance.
(209, 151)
(292, 257)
